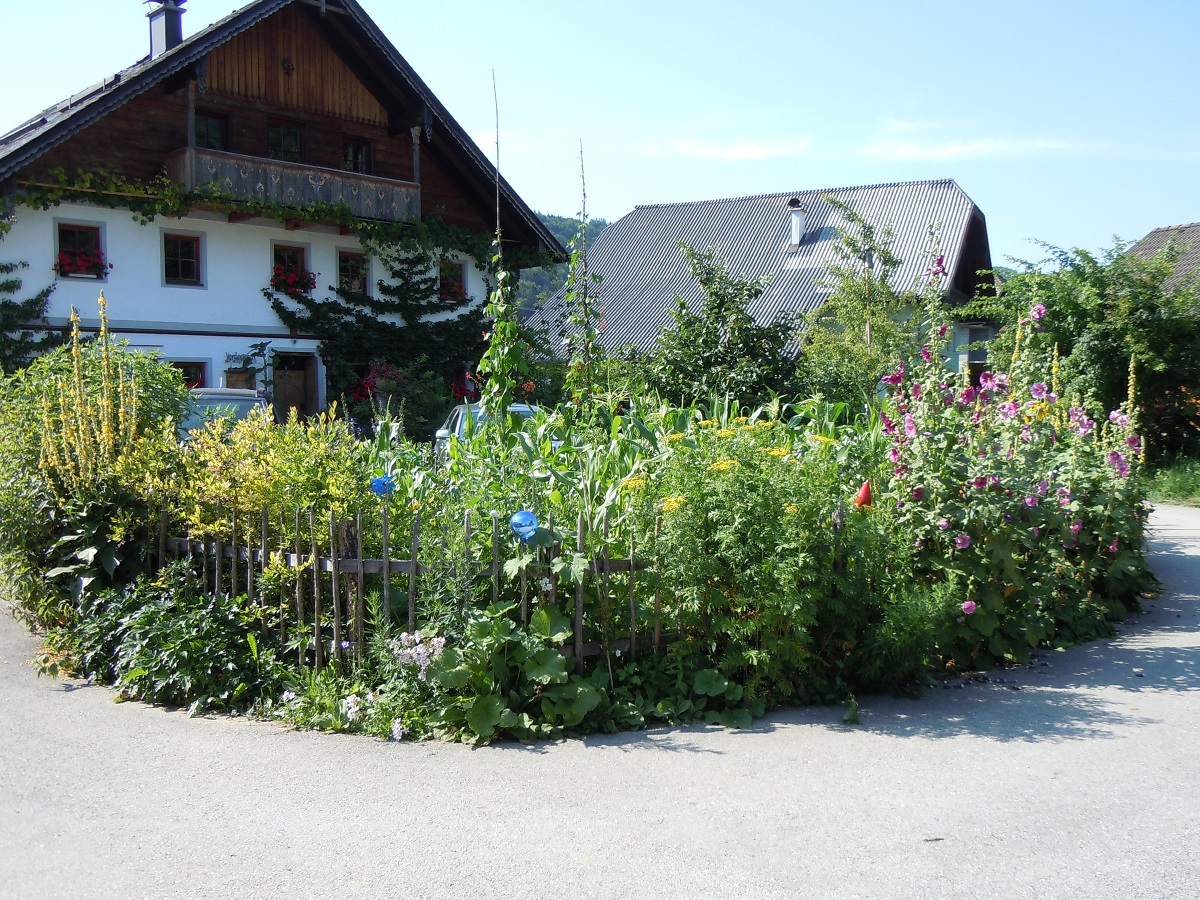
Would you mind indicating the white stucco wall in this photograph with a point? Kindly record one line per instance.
(209, 323)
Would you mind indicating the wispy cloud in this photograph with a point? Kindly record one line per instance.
(741, 150)
(907, 149)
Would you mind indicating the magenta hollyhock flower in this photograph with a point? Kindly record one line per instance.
(963, 541)
(1120, 418)
(925, 354)
(895, 377)
(1002, 382)
(1117, 460)
(1031, 501)
(1134, 442)
(978, 482)
(1076, 527)
(894, 454)
(942, 329)
(987, 381)
(889, 427)
(1038, 390)
(969, 607)
(943, 524)
(917, 390)
(917, 544)
(1037, 311)
(918, 494)
(968, 395)
(1037, 532)
(1008, 410)
(1114, 546)
(1043, 486)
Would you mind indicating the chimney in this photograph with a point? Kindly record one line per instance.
(796, 213)
(166, 25)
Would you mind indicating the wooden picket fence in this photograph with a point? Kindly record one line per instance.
(243, 559)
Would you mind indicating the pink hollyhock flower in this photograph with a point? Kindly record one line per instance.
(987, 381)
(917, 390)
(1038, 390)
(1119, 418)
(962, 542)
(943, 524)
(969, 607)
(910, 426)
(1114, 546)
(1076, 527)
(1043, 486)
(1031, 501)
(1008, 410)
(1134, 442)
(1037, 311)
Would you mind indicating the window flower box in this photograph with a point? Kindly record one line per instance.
(82, 264)
(292, 282)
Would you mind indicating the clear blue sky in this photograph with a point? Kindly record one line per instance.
(1065, 121)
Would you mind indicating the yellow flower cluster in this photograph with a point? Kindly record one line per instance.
(791, 509)
(676, 436)
(708, 423)
(821, 439)
(741, 420)
(726, 433)
(723, 465)
(777, 452)
(634, 484)
(671, 504)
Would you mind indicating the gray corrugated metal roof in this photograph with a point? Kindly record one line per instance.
(643, 269)
(25, 143)
(1185, 237)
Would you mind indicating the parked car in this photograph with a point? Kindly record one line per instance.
(206, 404)
(455, 425)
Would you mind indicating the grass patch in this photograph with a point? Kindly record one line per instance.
(1177, 483)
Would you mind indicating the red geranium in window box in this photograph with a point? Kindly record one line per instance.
(293, 282)
(81, 262)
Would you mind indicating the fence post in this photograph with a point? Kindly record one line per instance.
(387, 566)
(299, 590)
(233, 560)
(579, 546)
(262, 568)
(495, 557)
(162, 538)
(360, 610)
(333, 592)
(219, 552)
(318, 655)
(657, 588)
(605, 581)
(632, 599)
(414, 567)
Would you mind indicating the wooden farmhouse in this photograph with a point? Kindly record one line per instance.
(268, 128)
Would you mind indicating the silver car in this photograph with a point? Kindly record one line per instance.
(455, 425)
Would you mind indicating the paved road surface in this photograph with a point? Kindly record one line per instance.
(1083, 783)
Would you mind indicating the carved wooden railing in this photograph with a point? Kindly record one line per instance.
(292, 184)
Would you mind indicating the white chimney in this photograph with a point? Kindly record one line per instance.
(796, 214)
(166, 25)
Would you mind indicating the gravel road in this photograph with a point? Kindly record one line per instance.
(1073, 777)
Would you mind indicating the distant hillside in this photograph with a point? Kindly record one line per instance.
(537, 285)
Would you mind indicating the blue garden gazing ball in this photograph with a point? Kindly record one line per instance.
(524, 524)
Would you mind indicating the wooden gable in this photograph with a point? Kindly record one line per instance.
(288, 64)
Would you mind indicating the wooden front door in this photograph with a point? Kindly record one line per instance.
(295, 385)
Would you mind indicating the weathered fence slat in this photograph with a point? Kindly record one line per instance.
(387, 569)
(657, 589)
(360, 603)
(632, 600)
(579, 546)
(333, 591)
(262, 569)
(299, 591)
(233, 556)
(219, 552)
(413, 571)
(318, 656)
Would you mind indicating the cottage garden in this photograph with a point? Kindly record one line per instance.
(776, 554)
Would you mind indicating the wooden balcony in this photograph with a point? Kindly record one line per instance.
(272, 181)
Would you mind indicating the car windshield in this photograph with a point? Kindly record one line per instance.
(205, 409)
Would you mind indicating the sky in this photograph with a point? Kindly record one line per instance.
(1067, 122)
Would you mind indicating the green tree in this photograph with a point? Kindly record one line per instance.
(868, 324)
(1103, 312)
(717, 348)
(19, 343)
